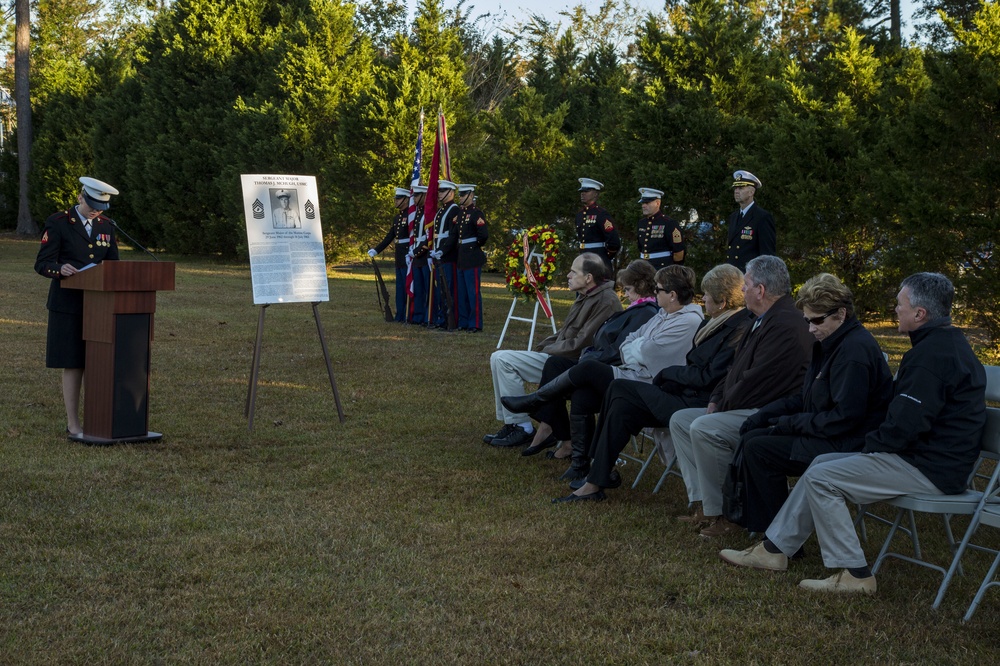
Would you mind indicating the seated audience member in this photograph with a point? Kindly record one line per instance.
(845, 394)
(662, 341)
(928, 444)
(638, 283)
(769, 363)
(629, 406)
(595, 302)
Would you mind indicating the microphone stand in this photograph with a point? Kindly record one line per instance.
(134, 241)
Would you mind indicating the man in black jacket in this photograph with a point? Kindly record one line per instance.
(770, 363)
(751, 228)
(928, 444)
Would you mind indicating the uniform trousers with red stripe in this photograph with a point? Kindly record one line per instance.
(470, 298)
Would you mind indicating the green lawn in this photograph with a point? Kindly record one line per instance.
(394, 537)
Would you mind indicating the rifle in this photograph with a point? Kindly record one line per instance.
(449, 303)
(382, 293)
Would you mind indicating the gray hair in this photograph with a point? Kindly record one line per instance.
(932, 292)
(772, 273)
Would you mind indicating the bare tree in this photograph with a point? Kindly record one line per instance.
(22, 96)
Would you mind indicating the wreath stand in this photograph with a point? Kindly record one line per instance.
(534, 315)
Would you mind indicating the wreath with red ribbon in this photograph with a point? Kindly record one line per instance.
(529, 277)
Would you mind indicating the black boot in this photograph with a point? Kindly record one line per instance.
(525, 404)
(581, 431)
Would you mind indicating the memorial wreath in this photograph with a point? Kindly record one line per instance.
(524, 278)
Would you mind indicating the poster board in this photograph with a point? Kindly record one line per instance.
(284, 239)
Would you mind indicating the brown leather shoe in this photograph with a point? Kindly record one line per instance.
(719, 526)
(695, 518)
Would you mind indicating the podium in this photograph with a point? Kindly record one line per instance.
(119, 300)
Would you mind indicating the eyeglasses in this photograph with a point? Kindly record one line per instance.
(816, 321)
(659, 289)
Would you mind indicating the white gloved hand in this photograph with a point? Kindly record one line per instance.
(437, 254)
(409, 253)
(372, 252)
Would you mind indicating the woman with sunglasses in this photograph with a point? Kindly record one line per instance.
(845, 395)
(662, 341)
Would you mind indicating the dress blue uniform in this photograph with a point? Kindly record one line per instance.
(471, 233)
(399, 235)
(446, 242)
(65, 241)
(595, 230)
(421, 271)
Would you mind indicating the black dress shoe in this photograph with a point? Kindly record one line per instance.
(546, 443)
(616, 481)
(517, 437)
(551, 455)
(499, 434)
(589, 497)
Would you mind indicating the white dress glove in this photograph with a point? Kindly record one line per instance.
(372, 252)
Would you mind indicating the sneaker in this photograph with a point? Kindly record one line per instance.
(516, 437)
(719, 526)
(841, 582)
(499, 434)
(756, 557)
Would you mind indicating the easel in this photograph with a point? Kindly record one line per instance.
(534, 315)
(251, 402)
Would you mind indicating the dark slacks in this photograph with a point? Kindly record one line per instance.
(591, 380)
(628, 407)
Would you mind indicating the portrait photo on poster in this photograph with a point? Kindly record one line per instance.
(285, 208)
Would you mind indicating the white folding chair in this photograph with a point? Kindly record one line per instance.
(968, 503)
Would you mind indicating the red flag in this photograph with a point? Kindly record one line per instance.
(440, 162)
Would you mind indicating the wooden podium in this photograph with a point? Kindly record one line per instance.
(118, 304)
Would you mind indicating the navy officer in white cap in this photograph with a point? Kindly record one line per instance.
(751, 228)
(595, 230)
(71, 240)
(399, 236)
(659, 238)
(445, 256)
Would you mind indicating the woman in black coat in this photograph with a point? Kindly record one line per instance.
(638, 283)
(629, 406)
(845, 395)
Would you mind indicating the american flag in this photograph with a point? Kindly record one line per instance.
(411, 212)
(441, 163)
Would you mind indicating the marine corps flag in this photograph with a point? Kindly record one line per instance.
(441, 162)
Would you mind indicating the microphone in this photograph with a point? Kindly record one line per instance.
(134, 241)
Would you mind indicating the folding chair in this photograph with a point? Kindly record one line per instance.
(989, 516)
(660, 439)
(968, 503)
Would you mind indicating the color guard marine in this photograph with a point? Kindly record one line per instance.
(595, 230)
(398, 235)
(659, 238)
(445, 255)
(419, 247)
(472, 233)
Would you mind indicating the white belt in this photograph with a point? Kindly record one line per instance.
(468, 240)
(402, 240)
(657, 255)
(444, 235)
(591, 246)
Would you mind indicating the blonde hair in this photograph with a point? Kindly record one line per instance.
(724, 284)
(825, 293)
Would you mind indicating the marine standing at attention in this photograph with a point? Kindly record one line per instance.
(398, 235)
(659, 238)
(471, 233)
(595, 230)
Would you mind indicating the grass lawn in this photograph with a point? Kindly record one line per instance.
(396, 537)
